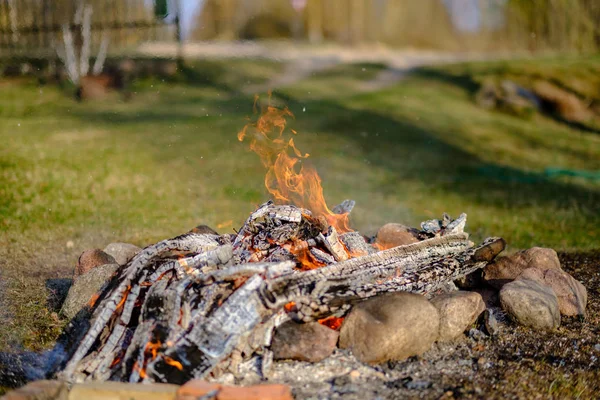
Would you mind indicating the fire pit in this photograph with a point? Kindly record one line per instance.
(202, 304)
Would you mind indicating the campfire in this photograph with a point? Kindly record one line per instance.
(202, 304)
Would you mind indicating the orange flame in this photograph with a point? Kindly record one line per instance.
(305, 258)
(283, 179)
(137, 368)
(152, 348)
(173, 363)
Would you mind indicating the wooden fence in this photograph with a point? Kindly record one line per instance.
(32, 28)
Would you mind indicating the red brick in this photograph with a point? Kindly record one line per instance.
(258, 392)
(197, 388)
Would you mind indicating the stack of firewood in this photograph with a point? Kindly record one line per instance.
(201, 304)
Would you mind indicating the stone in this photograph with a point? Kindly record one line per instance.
(122, 252)
(123, 391)
(506, 269)
(86, 287)
(91, 259)
(195, 389)
(39, 390)
(487, 96)
(390, 327)
(477, 335)
(458, 311)
(392, 235)
(490, 322)
(204, 229)
(562, 103)
(531, 304)
(311, 342)
(517, 105)
(571, 294)
(447, 287)
(513, 89)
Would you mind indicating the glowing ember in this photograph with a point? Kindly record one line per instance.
(116, 361)
(93, 300)
(381, 247)
(332, 322)
(122, 302)
(141, 371)
(152, 349)
(289, 306)
(283, 179)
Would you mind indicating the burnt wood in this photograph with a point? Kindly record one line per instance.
(199, 304)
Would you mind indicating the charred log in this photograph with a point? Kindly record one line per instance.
(200, 303)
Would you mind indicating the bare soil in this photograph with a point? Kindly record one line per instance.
(518, 363)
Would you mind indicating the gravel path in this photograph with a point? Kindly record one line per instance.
(304, 60)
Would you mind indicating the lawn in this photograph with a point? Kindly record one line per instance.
(80, 175)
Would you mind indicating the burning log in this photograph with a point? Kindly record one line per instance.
(169, 319)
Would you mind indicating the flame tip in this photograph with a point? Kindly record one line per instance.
(288, 179)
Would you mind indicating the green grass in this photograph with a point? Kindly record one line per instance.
(141, 171)
(578, 75)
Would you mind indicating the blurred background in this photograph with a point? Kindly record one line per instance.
(30, 26)
(118, 122)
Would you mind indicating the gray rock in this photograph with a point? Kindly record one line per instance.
(390, 327)
(458, 310)
(487, 96)
(506, 269)
(571, 294)
(516, 105)
(91, 259)
(417, 385)
(531, 304)
(311, 342)
(511, 88)
(85, 287)
(122, 252)
(392, 235)
(490, 322)
(448, 287)
(204, 229)
(476, 334)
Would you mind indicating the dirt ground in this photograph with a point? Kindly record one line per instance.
(518, 363)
